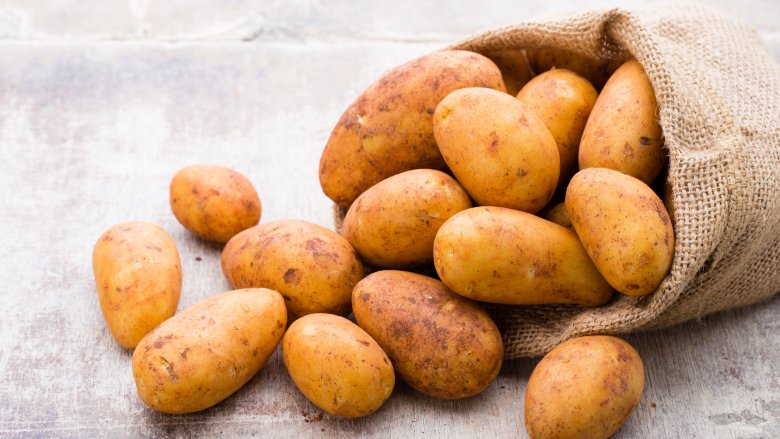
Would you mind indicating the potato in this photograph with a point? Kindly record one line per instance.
(563, 100)
(499, 255)
(624, 227)
(393, 223)
(138, 278)
(514, 67)
(623, 132)
(440, 343)
(498, 149)
(339, 367)
(558, 215)
(388, 130)
(312, 267)
(584, 388)
(201, 356)
(214, 202)
(547, 58)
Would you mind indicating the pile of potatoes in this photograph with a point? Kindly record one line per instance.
(452, 191)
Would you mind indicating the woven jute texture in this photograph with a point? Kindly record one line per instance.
(718, 92)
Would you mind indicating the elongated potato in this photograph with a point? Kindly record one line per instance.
(138, 277)
(312, 267)
(623, 132)
(624, 227)
(563, 100)
(208, 351)
(388, 130)
(499, 255)
(585, 388)
(498, 149)
(440, 343)
(393, 223)
(339, 367)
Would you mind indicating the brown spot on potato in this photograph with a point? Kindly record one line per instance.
(628, 152)
(161, 341)
(644, 141)
(292, 276)
(183, 354)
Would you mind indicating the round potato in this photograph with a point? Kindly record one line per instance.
(500, 255)
(388, 129)
(393, 223)
(138, 278)
(558, 215)
(563, 100)
(440, 343)
(584, 388)
(339, 367)
(623, 132)
(312, 267)
(201, 356)
(213, 202)
(624, 227)
(498, 149)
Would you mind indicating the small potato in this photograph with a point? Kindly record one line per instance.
(388, 129)
(393, 223)
(514, 68)
(499, 255)
(213, 202)
(312, 267)
(584, 388)
(138, 278)
(440, 343)
(563, 100)
(498, 149)
(208, 351)
(623, 132)
(558, 215)
(339, 367)
(624, 227)
(548, 58)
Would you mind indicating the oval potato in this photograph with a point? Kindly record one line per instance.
(214, 202)
(623, 132)
(500, 255)
(313, 268)
(393, 223)
(440, 343)
(497, 148)
(337, 366)
(138, 278)
(202, 355)
(388, 129)
(585, 387)
(624, 227)
(514, 67)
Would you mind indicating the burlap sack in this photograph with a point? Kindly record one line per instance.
(718, 92)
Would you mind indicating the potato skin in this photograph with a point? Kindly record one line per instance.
(313, 268)
(558, 215)
(388, 130)
(563, 100)
(498, 149)
(624, 227)
(623, 132)
(214, 202)
(138, 277)
(337, 365)
(440, 343)
(202, 355)
(393, 223)
(514, 67)
(500, 255)
(584, 388)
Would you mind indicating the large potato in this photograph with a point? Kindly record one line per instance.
(624, 227)
(563, 100)
(214, 202)
(584, 388)
(138, 278)
(339, 367)
(440, 343)
(312, 267)
(499, 255)
(498, 149)
(623, 132)
(393, 223)
(208, 351)
(388, 130)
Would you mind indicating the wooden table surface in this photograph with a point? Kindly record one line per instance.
(102, 102)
